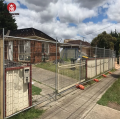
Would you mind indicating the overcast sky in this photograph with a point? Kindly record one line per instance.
(69, 19)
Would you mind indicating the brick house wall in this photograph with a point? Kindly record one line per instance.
(36, 51)
(5, 48)
(15, 50)
(52, 49)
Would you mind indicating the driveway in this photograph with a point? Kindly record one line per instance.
(82, 104)
(47, 78)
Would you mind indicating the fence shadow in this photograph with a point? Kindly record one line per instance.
(115, 76)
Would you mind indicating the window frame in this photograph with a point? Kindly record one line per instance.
(24, 54)
(45, 54)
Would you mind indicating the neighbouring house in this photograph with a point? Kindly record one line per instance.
(26, 50)
(71, 48)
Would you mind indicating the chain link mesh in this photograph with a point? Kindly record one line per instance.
(38, 70)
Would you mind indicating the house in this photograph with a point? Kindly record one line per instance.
(31, 51)
(71, 48)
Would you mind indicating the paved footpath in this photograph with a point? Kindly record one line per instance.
(82, 103)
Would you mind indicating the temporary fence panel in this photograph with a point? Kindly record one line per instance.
(69, 75)
(69, 53)
(98, 66)
(91, 68)
(40, 55)
(17, 96)
(49, 74)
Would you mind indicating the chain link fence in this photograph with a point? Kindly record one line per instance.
(37, 70)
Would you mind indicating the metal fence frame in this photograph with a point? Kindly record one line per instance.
(111, 52)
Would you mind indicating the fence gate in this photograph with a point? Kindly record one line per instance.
(26, 82)
(70, 74)
(31, 71)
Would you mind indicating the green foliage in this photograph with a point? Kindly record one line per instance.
(115, 34)
(6, 19)
(28, 114)
(116, 44)
(36, 90)
(111, 95)
(104, 40)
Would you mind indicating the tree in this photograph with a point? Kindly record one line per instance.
(6, 19)
(117, 43)
(115, 34)
(104, 40)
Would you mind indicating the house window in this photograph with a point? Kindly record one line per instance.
(24, 50)
(45, 51)
(45, 48)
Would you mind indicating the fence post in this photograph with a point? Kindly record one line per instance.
(2, 77)
(80, 60)
(113, 53)
(58, 78)
(96, 60)
(109, 61)
(100, 65)
(115, 59)
(56, 74)
(104, 61)
(86, 69)
(112, 57)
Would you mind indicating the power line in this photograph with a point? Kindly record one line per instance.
(99, 30)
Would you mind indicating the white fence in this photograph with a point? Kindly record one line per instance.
(98, 66)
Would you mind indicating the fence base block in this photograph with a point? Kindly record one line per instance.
(81, 87)
(110, 72)
(96, 80)
(77, 85)
(104, 75)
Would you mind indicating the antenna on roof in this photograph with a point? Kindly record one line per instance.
(83, 38)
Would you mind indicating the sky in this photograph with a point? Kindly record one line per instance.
(69, 19)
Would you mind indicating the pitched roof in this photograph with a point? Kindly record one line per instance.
(28, 32)
(78, 42)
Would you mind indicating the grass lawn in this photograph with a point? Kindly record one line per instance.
(31, 113)
(73, 73)
(111, 95)
(36, 90)
(47, 66)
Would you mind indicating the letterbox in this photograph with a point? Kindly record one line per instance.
(26, 75)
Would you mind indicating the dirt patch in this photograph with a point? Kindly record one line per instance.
(114, 106)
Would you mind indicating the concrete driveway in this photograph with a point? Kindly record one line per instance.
(82, 104)
(47, 78)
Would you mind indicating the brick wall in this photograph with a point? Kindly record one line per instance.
(15, 50)
(5, 49)
(36, 51)
(52, 52)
